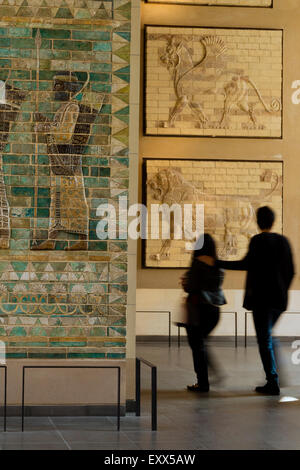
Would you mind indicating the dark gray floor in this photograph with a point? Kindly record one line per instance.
(231, 416)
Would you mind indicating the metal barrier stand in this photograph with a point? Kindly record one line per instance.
(160, 311)
(73, 367)
(5, 396)
(246, 322)
(153, 390)
(246, 327)
(235, 330)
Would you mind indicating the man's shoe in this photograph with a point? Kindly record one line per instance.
(271, 388)
(198, 388)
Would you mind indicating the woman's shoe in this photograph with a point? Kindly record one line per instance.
(198, 388)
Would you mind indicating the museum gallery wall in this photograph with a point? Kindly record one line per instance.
(64, 114)
(218, 128)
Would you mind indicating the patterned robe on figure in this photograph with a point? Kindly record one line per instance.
(69, 134)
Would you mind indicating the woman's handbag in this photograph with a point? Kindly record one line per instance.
(215, 298)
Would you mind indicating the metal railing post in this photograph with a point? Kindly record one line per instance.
(5, 397)
(119, 398)
(153, 391)
(138, 387)
(23, 397)
(235, 328)
(246, 313)
(154, 398)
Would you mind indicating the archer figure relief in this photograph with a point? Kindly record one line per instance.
(230, 191)
(11, 99)
(213, 82)
(67, 136)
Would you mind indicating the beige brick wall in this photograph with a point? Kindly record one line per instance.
(231, 191)
(190, 82)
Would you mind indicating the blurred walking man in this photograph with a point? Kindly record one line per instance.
(270, 270)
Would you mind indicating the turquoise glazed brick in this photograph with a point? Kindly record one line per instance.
(72, 45)
(17, 355)
(54, 34)
(101, 88)
(92, 35)
(45, 192)
(70, 344)
(4, 63)
(102, 46)
(100, 77)
(87, 355)
(17, 53)
(96, 67)
(98, 246)
(55, 55)
(19, 159)
(21, 344)
(24, 43)
(43, 159)
(46, 355)
(115, 355)
(4, 42)
(20, 32)
(22, 191)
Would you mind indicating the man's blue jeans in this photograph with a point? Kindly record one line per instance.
(264, 320)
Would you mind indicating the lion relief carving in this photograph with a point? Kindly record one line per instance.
(234, 86)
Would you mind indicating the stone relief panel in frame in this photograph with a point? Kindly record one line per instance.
(213, 82)
(230, 3)
(231, 191)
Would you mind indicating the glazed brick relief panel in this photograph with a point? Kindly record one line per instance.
(230, 191)
(60, 10)
(64, 114)
(213, 82)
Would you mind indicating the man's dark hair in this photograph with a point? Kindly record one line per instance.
(265, 217)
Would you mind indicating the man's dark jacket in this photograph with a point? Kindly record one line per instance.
(270, 270)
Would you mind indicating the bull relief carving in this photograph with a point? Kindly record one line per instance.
(230, 191)
(217, 84)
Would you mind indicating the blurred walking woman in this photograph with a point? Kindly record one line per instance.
(203, 283)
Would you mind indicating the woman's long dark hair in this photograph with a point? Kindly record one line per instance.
(208, 247)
